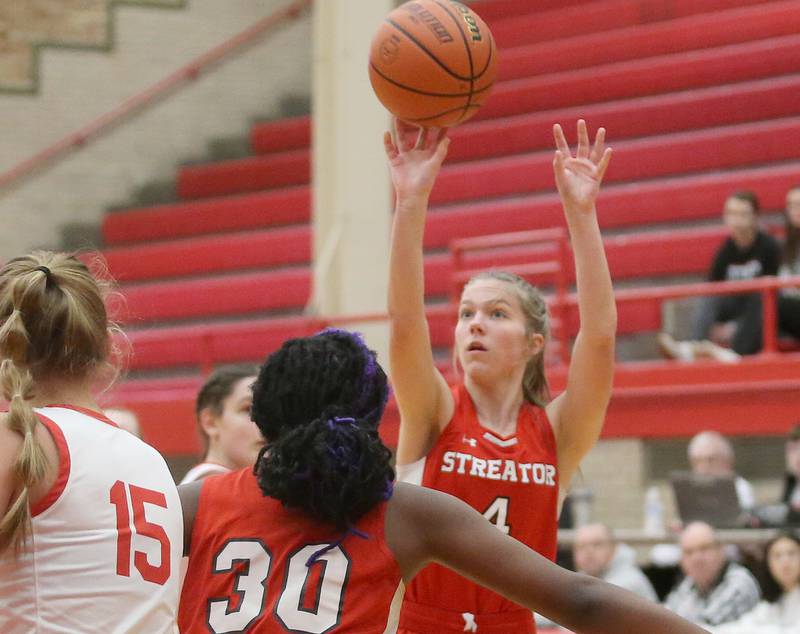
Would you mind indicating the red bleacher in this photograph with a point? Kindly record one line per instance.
(700, 97)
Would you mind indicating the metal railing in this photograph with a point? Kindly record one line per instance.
(149, 96)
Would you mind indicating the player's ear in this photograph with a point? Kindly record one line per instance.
(536, 343)
(209, 423)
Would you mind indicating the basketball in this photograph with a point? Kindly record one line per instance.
(433, 62)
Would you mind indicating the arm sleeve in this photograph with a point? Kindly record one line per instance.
(719, 265)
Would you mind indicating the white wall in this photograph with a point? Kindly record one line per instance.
(78, 86)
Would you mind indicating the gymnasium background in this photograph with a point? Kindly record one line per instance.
(174, 135)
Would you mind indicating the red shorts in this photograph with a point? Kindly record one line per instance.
(423, 619)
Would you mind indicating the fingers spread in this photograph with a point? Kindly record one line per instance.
(389, 146)
(583, 140)
(422, 139)
(603, 164)
(599, 145)
(441, 149)
(561, 141)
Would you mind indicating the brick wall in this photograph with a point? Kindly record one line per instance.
(76, 86)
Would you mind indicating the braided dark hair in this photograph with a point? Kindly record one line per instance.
(318, 401)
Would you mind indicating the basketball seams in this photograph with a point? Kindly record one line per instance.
(427, 52)
(414, 87)
(474, 106)
(424, 92)
(469, 57)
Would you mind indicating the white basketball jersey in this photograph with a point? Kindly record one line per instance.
(202, 471)
(104, 551)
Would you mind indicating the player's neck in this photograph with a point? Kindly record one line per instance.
(216, 456)
(497, 405)
(77, 393)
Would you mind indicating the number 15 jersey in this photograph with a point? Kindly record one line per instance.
(250, 567)
(105, 543)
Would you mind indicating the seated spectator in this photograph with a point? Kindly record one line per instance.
(789, 298)
(125, 419)
(791, 483)
(598, 554)
(779, 612)
(747, 253)
(231, 439)
(710, 453)
(714, 590)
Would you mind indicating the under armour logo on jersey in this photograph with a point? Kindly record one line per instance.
(470, 441)
(469, 618)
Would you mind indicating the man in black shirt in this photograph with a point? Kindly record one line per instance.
(747, 253)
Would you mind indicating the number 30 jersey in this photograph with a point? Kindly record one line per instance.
(251, 568)
(105, 543)
(512, 481)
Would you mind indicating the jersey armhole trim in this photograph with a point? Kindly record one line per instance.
(64, 468)
(88, 412)
(411, 472)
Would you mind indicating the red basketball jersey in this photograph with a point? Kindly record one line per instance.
(512, 481)
(249, 567)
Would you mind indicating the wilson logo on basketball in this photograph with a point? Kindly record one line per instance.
(469, 18)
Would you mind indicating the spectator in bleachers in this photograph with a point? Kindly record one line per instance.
(791, 483)
(714, 590)
(125, 419)
(231, 439)
(779, 612)
(734, 320)
(598, 554)
(711, 454)
(789, 298)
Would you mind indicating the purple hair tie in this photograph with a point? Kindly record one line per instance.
(370, 367)
(350, 530)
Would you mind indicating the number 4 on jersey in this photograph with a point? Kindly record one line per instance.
(497, 514)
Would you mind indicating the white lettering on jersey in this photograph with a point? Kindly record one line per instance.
(746, 271)
(499, 469)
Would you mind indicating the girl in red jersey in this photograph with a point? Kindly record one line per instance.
(230, 439)
(316, 539)
(91, 531)
(496, 440)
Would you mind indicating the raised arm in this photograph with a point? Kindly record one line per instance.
(424, 525)
(424, 400)
(577, 414)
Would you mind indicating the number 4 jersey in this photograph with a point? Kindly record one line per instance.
(512, 481)
(251, 568)
(105, 543)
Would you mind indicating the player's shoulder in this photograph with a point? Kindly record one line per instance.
(239, 485)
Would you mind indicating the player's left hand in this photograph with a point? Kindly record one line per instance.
(415, 155)
(578, 178)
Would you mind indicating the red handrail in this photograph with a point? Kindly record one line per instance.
(186, 74)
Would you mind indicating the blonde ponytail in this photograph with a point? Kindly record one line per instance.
(30, 466)
(53, 324)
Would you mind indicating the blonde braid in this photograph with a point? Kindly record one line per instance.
(30, 466)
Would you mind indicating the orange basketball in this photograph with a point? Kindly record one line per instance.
(433, 62)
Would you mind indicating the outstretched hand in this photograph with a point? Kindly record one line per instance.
(578, 178)
(415, 155)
